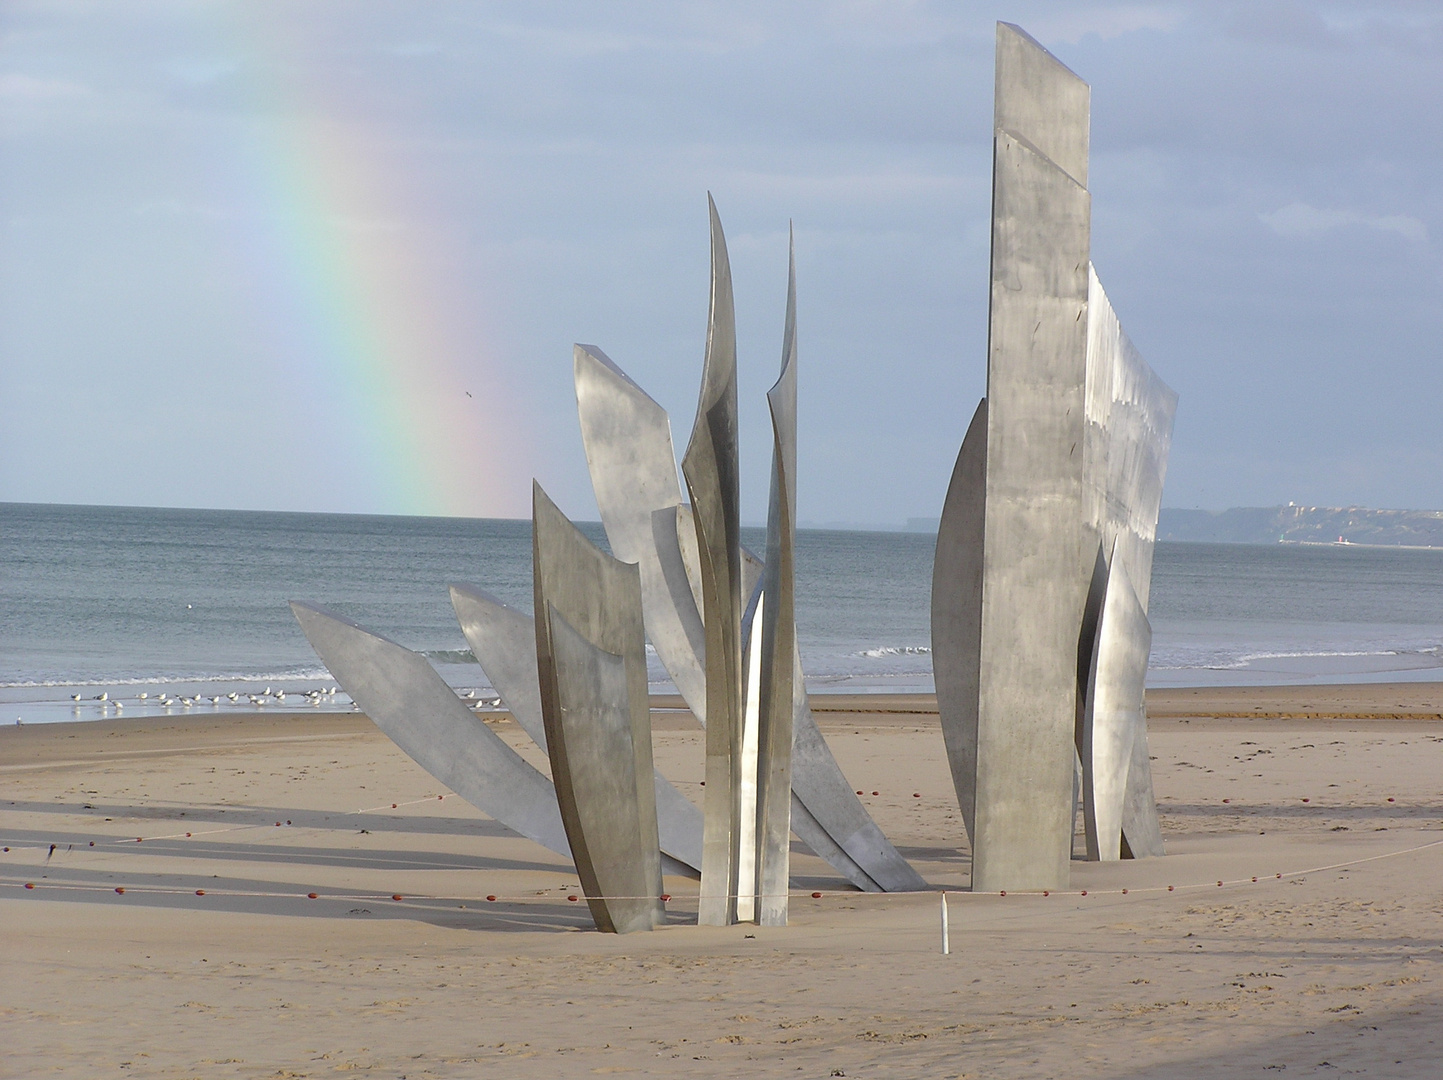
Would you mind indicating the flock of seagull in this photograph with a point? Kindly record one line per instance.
(265, 697)
(474, 698)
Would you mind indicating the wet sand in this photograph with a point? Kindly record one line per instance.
(1337, 965)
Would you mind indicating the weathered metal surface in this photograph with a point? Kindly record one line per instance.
(1141, 829)
(405, 697)
(1114, 712)
(779, 689)
(597, 716)
(711, 472)
(957, 611)
(632, 463)
(594, 722)
(1133, 411)
(503, 640)
(1038, 98)
(1038, 546)
(1137, 411)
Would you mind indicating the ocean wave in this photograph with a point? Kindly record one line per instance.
(295, 675)
(1178, 660)
(881, 652)
(450, 656)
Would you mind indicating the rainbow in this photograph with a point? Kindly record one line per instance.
(367, 307)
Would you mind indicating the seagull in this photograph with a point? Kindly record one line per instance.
(74, 697)
(143, 695)
(468, 393)
(103, 697)
(233, 696)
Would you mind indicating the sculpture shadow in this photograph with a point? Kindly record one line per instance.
(68, 844)
(345, 820)
(230, 895)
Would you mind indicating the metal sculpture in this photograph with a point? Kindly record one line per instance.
(1130, 417)
(1048, 524)
(627, 434)
(957, 613)
(1114, 711)
(591, 661)
(581, 694)
(1037, 550)
(405, 697)
(711, 472)
(503, 640)
(777, 686)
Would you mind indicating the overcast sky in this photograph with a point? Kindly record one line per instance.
(257, 255)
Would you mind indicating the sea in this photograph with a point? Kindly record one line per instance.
(109, 611)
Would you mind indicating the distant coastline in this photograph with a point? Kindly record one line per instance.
(1346, 526)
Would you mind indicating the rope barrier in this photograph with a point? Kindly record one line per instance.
(542, 897)
(533, 898)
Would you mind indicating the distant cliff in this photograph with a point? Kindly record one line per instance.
(1305, 525)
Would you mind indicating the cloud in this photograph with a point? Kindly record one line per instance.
(1299, 220)
(1106, 22)
(17, 87)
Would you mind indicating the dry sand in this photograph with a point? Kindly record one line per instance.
(1320, 971)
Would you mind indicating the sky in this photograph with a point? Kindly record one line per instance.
(332, 256)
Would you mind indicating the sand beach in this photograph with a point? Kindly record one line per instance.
(216, 961)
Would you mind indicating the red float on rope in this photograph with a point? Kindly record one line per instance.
(311, 896)
(1169, 888)
(1220, 884)
(1124, 892)
(1390, 800)
(1002, 893)
(92, 843)
(876, 793)
(859, 793)
(1046, 893)
(816, 896)
(1084, 892)
(28, 884)
(1280, 877)
(1255, 879)
(1305, 800)
(138, 839)
(492, 899)
(120, 889)
(393, 806)
(665, 897)
(199, 892)
(573, 898)
(187, 834)
(916, 794)
(397, 896)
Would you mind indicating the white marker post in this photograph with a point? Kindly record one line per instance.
(946, 943)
